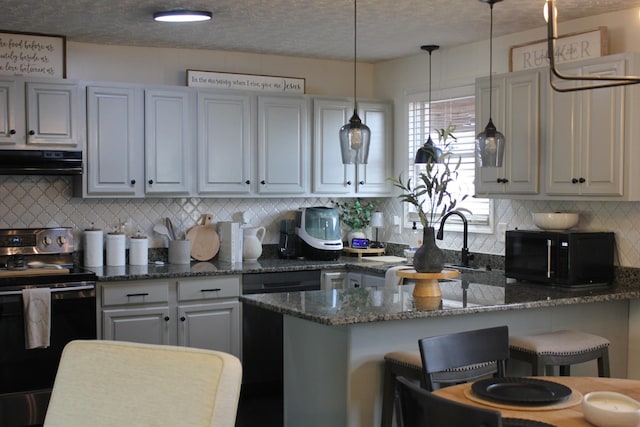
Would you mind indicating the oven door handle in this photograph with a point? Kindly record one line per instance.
(548, 258)
(53, 290)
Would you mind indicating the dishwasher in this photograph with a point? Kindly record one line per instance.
(262, 329)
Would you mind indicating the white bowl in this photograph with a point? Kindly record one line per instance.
(555, 220)
(610, 409)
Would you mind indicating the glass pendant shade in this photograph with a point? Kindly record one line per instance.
(428, 153)
(354, 141)
(490, 146)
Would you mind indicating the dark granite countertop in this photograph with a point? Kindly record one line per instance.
(475, 292)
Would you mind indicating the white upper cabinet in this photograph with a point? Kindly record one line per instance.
(169, 141)
(516, 101)
(9, 110)
(330, 176)
(40, 114)
(225, 143)
(115, 142)
(372, 178)
(586, 135)
(282, 145)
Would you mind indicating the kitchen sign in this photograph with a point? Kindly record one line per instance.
(215, 80)
(569, 48)
(32, 55)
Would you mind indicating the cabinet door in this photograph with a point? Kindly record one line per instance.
(213, 326)
(522, 132)
(282, 145)
(168, 143)
(115, 152)
(8, 112)
(601, 158)
(330, 176)
(488, 179)
(372, 178)
(149, 325)
(225, 134)
(53, 114)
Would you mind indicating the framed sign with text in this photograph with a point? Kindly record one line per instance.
(570, 47)
(33, 55)
(233, 81)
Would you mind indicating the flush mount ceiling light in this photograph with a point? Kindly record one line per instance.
(429, 153)
(182, 15)
(551, 16)
(490, 143)
(355, 135)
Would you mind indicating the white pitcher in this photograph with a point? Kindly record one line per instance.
(252, 243)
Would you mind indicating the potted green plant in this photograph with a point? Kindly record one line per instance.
(356, 214)
(432, 200)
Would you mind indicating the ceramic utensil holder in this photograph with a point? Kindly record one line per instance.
(179, 251)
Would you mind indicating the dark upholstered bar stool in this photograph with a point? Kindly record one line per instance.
(560, 348)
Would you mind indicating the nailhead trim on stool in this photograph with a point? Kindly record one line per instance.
(408, 364)
(560, 348)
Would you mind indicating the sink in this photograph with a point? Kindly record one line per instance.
(463, 268)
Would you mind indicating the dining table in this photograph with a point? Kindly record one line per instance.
(567, 413)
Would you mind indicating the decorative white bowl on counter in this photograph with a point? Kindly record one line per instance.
(555, 220)
(610, 409)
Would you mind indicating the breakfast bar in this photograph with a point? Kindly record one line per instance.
(335, 340)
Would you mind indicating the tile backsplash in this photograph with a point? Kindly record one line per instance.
(35, 201)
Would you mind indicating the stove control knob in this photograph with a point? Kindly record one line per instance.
(46, 241)
(61, 240)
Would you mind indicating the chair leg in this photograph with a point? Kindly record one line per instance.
(388, 395)
(603, 364)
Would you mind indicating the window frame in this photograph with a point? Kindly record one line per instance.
(453, 223)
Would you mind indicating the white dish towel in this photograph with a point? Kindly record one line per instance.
(390, 276)
(37, 317)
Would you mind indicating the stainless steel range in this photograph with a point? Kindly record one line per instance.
(35, 259)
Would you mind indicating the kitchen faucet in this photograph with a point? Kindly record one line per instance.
(466, 256)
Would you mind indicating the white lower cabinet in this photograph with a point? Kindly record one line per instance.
(198, 312)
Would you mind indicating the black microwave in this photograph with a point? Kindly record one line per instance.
(563, 258)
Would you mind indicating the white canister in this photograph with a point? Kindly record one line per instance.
(116, 246)
(138, 250)
(93, 247)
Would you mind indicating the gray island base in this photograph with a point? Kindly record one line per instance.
(335, 340)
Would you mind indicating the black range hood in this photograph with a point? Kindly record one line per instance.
(40, 162)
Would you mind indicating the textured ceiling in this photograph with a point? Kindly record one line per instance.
(311, 28)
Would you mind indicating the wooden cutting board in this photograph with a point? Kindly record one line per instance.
(33, 272)
(205, 242)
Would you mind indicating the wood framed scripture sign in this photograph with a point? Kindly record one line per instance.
(571, 47)
(33, 55)
(233, 81)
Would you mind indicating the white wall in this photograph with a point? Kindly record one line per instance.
(460, 66)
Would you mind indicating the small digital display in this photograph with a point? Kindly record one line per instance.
(358, 243)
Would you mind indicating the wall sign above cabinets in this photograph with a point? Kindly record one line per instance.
(215, 80)
(33, 55)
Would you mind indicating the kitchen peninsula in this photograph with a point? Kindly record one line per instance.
(335, 340)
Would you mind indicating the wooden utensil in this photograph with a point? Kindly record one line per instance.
(205, 242)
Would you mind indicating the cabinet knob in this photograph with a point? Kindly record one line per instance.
(502, 180)
(182, 318)
(133, 182)
(348, 182)
(167, 318)
(247, 182)
(574, 180)
(12, 131)
(263, 182)
(150, 182)
(581, 180)
(32, 132)
(361, 182)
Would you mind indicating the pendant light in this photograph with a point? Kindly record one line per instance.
(428, 153)
(551, 16)
(355, 135)
(490, 144)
